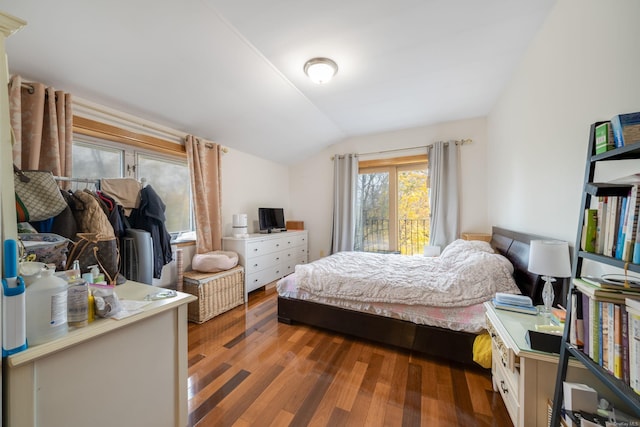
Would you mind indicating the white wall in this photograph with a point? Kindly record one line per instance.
(248, 183)
(582, 67)
(311, 181)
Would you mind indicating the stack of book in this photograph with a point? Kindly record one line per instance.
(608, 313)
(558, 316)
(517, 303)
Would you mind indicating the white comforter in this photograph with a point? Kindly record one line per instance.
(466, 273)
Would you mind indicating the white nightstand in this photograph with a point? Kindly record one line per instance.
(524, 377)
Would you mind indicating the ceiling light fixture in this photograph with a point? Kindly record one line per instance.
(320, 70)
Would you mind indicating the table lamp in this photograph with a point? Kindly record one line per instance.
(550, 259)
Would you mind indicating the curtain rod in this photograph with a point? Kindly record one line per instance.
(457, 141)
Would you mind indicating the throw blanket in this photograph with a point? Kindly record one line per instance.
(466, 273)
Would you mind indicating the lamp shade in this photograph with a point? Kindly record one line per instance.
(549, 258)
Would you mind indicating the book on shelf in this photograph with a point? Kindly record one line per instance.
(589, 229)
(576, 331)
(614, 282)
(603, 353)
(626, 129)
(611, 328)
(594, 330)
(631, 224)
(610, 238)
(601, 224)
(633, 312)
(617, 341)
(635, 255)
(633, 305)
(584, 301)
(604, 138)
(515, 308)
(624, 324)
(600, 294)
(620, 228)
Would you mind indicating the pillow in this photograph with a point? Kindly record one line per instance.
(459, 246)
(212, 262)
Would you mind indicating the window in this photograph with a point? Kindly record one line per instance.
(171, 180)
(166, 171)
(393, 205)
(95, 161)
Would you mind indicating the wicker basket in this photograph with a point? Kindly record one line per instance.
(216, 292)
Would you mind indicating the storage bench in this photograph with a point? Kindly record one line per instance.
(216, 292)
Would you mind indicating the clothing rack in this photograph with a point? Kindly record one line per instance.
(93, 181)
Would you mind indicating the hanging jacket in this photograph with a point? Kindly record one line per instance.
(150, 216)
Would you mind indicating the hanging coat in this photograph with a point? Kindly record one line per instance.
(150, 216)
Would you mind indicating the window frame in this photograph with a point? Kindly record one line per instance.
(392, 166)
(89, 132)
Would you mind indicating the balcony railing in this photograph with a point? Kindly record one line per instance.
(413, 235)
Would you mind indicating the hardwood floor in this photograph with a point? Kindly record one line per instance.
(246, 369)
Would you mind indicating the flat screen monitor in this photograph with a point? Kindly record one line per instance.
(271, 219)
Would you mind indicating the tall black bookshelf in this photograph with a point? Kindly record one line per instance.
(591, 189)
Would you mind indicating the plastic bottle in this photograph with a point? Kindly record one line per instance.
(46, 304)
(92, 307)
(78, 304)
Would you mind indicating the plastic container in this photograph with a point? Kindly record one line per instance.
(31, 271)
(78, 304)
(46, 304)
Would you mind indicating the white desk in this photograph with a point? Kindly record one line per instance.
(129, 372)
(524, 377)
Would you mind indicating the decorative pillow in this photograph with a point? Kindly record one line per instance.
(215, 261)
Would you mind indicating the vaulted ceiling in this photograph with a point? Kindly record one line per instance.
(232, 71)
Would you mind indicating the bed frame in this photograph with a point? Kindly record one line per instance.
(433, 341)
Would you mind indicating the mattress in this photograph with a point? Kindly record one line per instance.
(465, 319)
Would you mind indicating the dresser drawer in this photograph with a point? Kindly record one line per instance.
(263, 277)
(262, 247)
(503, 381)
(507, 357)
(299, 241)
(258, 263)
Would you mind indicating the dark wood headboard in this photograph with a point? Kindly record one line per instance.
(515, 247)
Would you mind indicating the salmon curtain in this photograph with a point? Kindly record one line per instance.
(204, 165)
(42, 123)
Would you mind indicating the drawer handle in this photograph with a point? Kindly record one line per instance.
(277, 258)
(255, 265)
(277, 244)
(505, 390)
(255, 249)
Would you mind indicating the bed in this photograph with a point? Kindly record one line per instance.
(447, 336)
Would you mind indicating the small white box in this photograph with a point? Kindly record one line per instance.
(580, 397)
